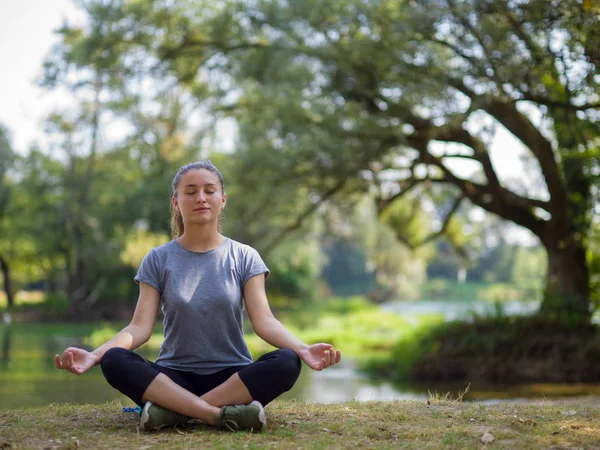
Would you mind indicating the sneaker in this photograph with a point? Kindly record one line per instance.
(155, 417)
(242, 417)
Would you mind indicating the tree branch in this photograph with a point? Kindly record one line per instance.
(302, 217)
(437, 234)
(383, 204)
(462, 136)
(521, 127)
(446, 223)
(559, 104)
(503, 203)
(480, 40)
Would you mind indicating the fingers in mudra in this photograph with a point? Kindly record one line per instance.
(334, 357)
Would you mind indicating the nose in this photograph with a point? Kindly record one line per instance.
(200, 198)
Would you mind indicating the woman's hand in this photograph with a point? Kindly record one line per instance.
(320, 356)
(76, 360)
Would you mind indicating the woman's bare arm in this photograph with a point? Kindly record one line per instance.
(137, 333)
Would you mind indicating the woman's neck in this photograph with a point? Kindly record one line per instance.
(200, 239)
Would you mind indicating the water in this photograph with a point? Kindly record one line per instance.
(459, 309)
(28, 376)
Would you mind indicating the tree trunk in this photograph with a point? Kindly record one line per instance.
(567, 285)
(7, 281)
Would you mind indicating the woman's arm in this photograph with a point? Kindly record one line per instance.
(137, 333)
(271, 330)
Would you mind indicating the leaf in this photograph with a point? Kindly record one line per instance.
(487, 438)
(526, 421)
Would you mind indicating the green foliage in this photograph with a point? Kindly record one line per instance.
(332, 103)
(7, 159)
(530, 270)
(139, 244)
(356, 102)
(295, 266)
(594, 264)
(100, 336)
(495, 348)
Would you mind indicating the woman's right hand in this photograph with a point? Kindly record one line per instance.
(76, 360)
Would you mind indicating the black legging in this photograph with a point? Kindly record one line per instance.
(266, 378)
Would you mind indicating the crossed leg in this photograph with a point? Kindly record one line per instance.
(196, 396)
(166, 393)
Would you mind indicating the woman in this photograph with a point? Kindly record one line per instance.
(202, 280)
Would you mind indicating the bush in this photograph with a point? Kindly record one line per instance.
(497, 349)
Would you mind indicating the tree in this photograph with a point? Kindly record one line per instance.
(368, 90)
(105, 183)
(7, 159)
(333, 98)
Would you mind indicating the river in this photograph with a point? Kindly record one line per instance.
(28, 376)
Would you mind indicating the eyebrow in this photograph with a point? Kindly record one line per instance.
(195, 185)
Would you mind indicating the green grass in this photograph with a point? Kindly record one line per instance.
(443, 289)
(53, 305)
(435, 424)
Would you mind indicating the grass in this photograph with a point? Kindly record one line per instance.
(23, 298)
(434, 424)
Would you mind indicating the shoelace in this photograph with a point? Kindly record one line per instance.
(173, 418)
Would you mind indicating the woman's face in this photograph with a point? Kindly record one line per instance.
(199, 197)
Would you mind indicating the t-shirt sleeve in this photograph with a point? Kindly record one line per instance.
(253, 265)
(149, 272)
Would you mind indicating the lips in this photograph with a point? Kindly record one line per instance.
(201, 209)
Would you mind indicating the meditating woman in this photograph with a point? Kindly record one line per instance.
(202, 280)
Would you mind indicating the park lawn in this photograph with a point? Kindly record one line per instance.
(434, 424)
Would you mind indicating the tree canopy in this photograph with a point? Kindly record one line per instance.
(358, 95)
(329, 105)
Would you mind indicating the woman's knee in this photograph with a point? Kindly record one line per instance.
(113, 361)
(290, 365)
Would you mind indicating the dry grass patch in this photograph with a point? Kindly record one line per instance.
(437, 424)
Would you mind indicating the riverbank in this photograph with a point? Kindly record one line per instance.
(498, 350)
(432, 424)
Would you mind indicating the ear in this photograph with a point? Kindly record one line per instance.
(175, 203)
(223, 202)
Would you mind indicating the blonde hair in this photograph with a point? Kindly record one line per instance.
(177, 227)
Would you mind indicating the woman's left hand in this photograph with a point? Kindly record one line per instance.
(320, 356)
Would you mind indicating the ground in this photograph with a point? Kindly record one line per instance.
(433, 424)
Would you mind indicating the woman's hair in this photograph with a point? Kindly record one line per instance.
(176, 219)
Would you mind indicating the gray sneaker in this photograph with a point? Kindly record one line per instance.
(242, 417)
(155, 417)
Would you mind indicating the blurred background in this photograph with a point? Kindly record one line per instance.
(421, 177)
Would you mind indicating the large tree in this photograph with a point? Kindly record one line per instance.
(337, 96)
(348, 88)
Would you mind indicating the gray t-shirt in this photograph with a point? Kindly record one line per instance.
(202, 301)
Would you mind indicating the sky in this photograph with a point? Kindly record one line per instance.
(26, 36)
